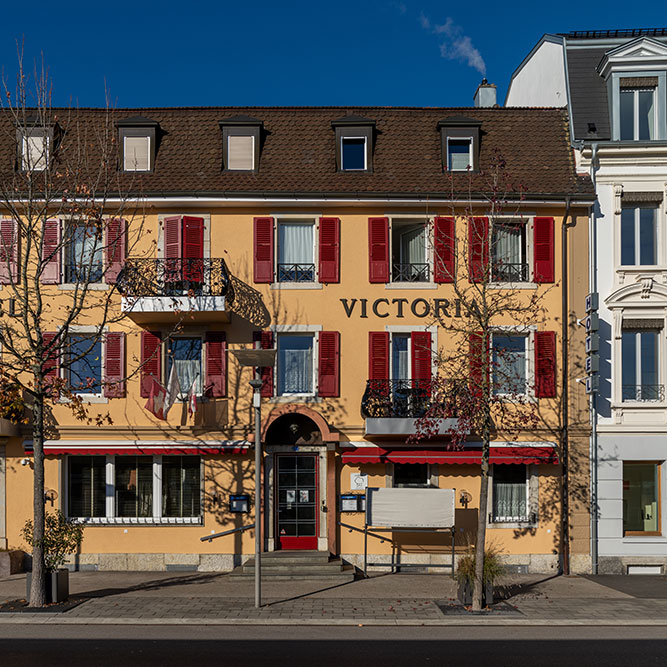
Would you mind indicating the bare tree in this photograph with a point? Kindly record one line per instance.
(64, 218)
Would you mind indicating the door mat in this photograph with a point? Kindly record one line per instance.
(21, 607)
(455, 608)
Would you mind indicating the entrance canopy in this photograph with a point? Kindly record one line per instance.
(498, 455)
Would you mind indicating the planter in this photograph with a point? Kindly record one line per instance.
(465, 593)
(11, 562)
(57, 586)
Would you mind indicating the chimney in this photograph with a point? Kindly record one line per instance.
(485, 95)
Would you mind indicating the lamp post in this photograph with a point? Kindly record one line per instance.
(257, 359)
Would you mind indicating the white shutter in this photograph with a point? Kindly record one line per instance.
(136, 153)
(241, 153)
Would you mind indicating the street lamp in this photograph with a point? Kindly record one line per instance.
(257, 359)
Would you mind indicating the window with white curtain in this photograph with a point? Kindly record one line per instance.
(295, 363)
(296, 251)
(84, 245)
(510, 493)
(186, 355)
(409, 249)
(508, 252)
(509, 359)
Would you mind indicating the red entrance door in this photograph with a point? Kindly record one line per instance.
(297, 493)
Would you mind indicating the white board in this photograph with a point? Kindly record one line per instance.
(410, 508)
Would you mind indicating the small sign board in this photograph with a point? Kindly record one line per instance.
(591, 302)
(410, 508)
(358, 481)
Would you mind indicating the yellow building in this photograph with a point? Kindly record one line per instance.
(322, 233)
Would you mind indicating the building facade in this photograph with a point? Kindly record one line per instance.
(614, 83)
(329, 235)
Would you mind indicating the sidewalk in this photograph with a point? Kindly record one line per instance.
(169, 598)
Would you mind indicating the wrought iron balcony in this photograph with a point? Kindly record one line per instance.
(296, 273)
(504, 272)
(174, 278)
(644, 392)
(410, 273)
(403, 399)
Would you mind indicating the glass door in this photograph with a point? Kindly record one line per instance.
(297, 494)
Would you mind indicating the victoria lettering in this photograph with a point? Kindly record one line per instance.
(398, 307)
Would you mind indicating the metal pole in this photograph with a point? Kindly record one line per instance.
(256, 401)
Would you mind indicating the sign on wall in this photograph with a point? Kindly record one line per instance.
(410, 508)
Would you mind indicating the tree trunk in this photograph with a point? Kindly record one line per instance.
(480, 543)
(38, 584)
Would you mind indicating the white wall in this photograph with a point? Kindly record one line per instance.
(541, 81)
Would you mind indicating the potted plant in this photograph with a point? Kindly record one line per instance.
(62, 536)
(465, 575)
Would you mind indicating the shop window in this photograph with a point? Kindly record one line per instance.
(185, 354)
(86, 493)
(295, 364)
(639, 244)
(296, 251)
(84, 247)
(509, 361)
(84, 367)
(181, 494)
(510, 493)
(640, 359)
(641, 498)
(411, 475)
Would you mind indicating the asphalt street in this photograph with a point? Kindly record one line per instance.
(321, 646)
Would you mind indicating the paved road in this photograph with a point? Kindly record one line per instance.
(167, 647)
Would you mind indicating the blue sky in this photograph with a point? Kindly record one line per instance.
(363, 52)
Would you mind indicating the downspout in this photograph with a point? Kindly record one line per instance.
(593, 282)
(565, 322)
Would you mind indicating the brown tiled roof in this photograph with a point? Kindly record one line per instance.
(298, 158)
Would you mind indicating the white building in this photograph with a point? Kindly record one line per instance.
(614, 84)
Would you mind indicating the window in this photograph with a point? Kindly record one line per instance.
(186, 355)
(509, 358)
(509, 263)
(640, 365)
(639, 236)
(510, 493)
(296, 250)
(35, 145)
(295, 364)
(353, 153)
(400, 357)
(240, 153)
(131, 489)
(637, 114)
(83, 253)
(411, 475)
(136, 153)
(459, 154)
(84, 366)
(184, 269)
(641, 498)
(409, 244)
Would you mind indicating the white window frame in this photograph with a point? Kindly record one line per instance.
(342, 152)
(156, 519)
(635, 111)
(312, 330)
(527, 332)
(528, 226)
(401, 330)
(202, 360)
(470, 155)
(42, 163)
(399, 220)
(252, 152)
(127, 165)
(63, 373)
(64, 249)
(638, 366)
(306, 218)
(532, 498)
(659, 237)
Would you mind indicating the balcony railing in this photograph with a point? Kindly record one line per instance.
(296, 273)
(410, 273)
(402, 399)
(503, 272)
(175, 277)
(644, 392)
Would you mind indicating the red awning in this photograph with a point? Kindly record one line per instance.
(498, 455)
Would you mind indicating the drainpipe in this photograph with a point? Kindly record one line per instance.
(565, 323)
(593, 282)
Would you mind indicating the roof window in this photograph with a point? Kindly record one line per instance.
(354, 143)
(241, 137)
(137, 141)
(460, 139)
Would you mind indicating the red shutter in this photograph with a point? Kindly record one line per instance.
(114, 365)
(263, 250)
(378, 355)
(478, 374)
(478, 248)
(9, 252)
(444, 256)
(115, 248)
(378, 250)
(329, 250)
(151, 360)
(173, 251)
(216, 364)
(193, 249)
(264, 340)
(52, 365)
(545, 364)
(51, 252)
(420, 342)
(543, 250)
(329, 362)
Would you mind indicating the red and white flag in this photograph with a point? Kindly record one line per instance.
(192, 399)
(160, 400)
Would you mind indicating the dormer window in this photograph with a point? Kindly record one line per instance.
(34, 146)
(354, 143)
(460, 139)
(137, 141)
(241, 143)
(637, 109)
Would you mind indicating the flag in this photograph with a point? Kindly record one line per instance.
(192, 399)
(173, 390)
(160, 399)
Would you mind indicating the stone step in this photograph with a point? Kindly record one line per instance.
(296, 556)
(340, 574)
